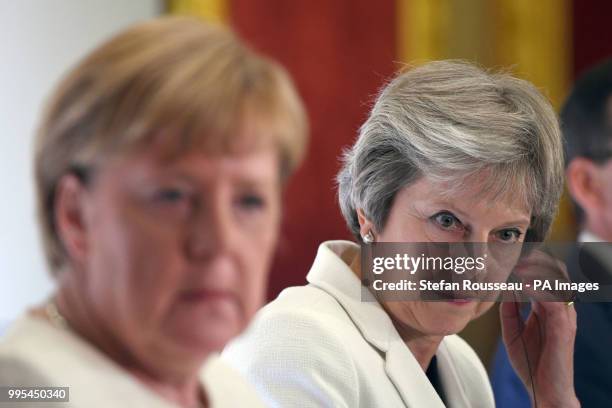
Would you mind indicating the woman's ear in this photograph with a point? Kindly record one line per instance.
(365, 225)
(584, 185)
(69, 217)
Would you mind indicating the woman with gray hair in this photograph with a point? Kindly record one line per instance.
(449, 153)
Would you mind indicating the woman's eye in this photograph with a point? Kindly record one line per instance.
(170, 195)
(251, 202)
(446, 220)
(509, 235)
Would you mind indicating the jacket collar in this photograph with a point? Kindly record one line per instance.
(74, 362)
(61, 358)
(331, 274)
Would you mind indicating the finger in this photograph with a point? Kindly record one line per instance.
(542, 260)
(537, 258)
(511, 321)
(558, 319)
(541, 267)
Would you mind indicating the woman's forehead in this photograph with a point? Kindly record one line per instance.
(468, 195)
(170, 145)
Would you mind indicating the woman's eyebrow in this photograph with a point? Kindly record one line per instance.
(465, 217)
(169, 174)
(521, 221)
(449, 206)
(247, 183)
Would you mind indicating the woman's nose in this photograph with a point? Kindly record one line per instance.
(479, 236)
(211, 233)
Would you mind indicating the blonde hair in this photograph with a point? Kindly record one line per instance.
(176, 75)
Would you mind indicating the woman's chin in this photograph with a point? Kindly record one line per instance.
(451, 317)
(209, 333)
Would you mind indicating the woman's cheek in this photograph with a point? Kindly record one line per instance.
(152, 258)
(255, 280)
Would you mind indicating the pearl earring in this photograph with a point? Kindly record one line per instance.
(368, 238)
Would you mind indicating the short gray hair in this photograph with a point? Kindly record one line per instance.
(450, 120)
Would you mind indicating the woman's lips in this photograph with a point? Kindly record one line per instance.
(456, 298)
(460, 302)
(208, 295)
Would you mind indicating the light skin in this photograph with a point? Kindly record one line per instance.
(422, 212)
(589, 184)
(168, 258)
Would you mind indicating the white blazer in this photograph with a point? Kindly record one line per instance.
(319, 345)
(33, 353)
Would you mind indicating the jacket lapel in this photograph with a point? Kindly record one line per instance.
(331, 274)
(408, 377)
(450, 379)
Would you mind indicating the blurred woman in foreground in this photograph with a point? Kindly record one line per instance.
(159, 170)
(449, 153)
